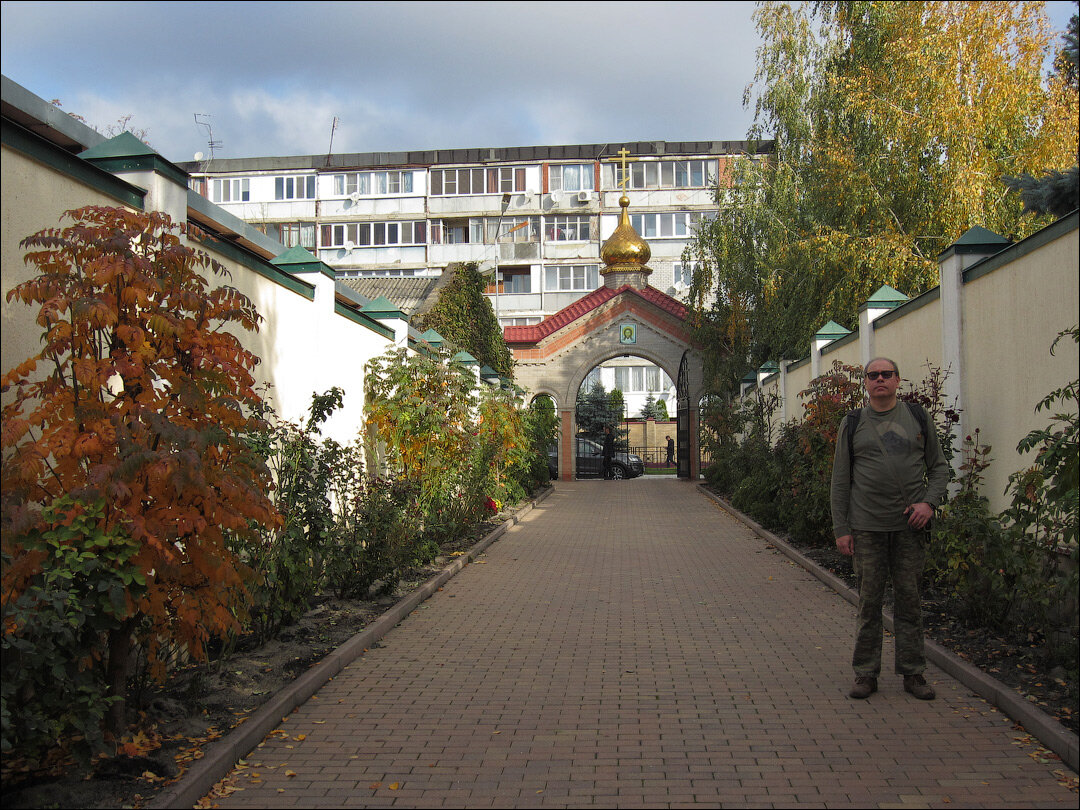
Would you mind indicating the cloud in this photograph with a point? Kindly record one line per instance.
(397, 75)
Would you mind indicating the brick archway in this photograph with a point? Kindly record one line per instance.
(554, 356)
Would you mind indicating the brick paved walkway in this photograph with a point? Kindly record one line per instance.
(628, 645)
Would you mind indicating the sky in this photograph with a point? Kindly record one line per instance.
(272, 77)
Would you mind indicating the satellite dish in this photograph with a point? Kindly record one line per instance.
(198, 157)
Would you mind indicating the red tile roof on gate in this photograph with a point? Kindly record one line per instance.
(585, 305)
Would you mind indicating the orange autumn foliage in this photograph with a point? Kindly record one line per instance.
(141, 397)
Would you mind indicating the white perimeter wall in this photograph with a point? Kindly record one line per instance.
(1013, 305)
(305, 347)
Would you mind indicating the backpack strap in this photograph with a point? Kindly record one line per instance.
(916, 410)
(852, 426)
(919, 412)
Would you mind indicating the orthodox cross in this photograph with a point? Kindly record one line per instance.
(624, 153)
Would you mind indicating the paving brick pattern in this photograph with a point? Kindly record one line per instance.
(631, 645)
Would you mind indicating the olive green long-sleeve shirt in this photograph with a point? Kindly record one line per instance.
(912, 470)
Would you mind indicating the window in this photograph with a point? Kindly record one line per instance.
(568, 229)
(230, 189)
(640, 379)
(390, 182)
(482, 230)
(664, 174)
(675, 224)
(512, 280)
(571, 177)
(298, 233)
(683, 273)
(512, 229)
(376, 272)
(571, 277)
(290, 234)
(499, 180)
(374, 234)
(294, 188)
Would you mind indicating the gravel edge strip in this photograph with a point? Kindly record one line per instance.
(234, 746)
(1038, 723)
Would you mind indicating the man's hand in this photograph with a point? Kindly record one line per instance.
(846, 545)
(918, 515)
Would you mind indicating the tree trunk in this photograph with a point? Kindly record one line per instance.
(116, 676)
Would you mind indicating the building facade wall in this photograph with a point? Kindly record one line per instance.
(588, 200)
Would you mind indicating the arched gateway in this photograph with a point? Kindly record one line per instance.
(624, 317)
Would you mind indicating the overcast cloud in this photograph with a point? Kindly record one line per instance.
(398, 76)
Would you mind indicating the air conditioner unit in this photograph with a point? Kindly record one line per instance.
(583, 196)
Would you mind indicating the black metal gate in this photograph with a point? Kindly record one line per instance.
(682, 419)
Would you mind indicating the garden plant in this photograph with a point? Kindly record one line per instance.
(158, 512)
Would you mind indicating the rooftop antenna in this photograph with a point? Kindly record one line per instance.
(211, 144)
(330, 151)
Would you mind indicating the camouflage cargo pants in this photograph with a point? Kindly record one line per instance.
(880, 556)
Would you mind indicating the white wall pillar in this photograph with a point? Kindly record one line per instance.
(784, 416)
(824, 336)
(972, 247)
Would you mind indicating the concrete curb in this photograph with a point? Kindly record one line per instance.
(220, 757)
(1035, 721)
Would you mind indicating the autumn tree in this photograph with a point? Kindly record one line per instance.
(894, 125)
(130, 421)
(1057, 192)
(463, 315)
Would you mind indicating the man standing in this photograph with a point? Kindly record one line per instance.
(609, 451)
(889, 474)
(670, 452)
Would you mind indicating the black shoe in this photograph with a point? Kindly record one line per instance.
(864, 687)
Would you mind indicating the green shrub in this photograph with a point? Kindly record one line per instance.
(376, 534)
(288, 561)
(1044, 518)
(83, 584)
(970, 556)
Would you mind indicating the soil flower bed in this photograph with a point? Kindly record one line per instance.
(200, 704)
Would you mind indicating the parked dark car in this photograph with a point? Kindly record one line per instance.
(590, 461)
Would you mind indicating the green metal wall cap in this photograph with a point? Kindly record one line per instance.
(433, 338)
(300, 260)
(831, 331)
(383, 308)
(125, 152)
(978, 239)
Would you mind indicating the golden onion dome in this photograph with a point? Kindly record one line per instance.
(625, 249)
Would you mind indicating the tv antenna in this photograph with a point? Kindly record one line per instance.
(330, 151)
(211, 144)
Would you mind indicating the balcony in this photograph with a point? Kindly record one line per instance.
(442, 255)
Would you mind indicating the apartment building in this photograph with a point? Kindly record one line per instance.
(534, 218)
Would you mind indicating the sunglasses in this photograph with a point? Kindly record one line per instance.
(885, 375)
